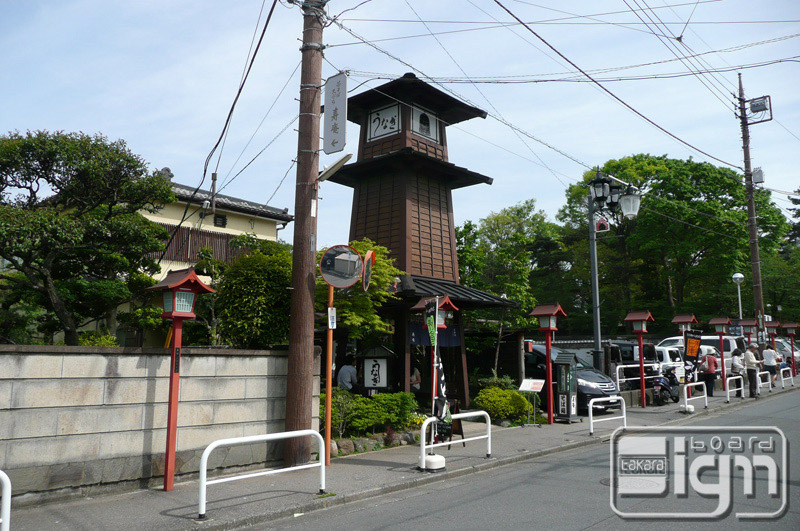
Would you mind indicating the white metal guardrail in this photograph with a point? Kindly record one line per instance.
(5, 502)
(686, 398)
(256, 439)
(761, 382)
(784, 378)
(423, 446)
(728, 386)
(593, 401)
(655, 365)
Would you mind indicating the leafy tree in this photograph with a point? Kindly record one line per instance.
(357, 309)
(70, 222)
(253, 299)
(689, 237)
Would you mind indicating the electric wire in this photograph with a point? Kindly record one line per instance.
(485, 97)
(667, 42)
(684, 142)
(244, 70)
(294, 161)
(222, 133)
(266, 114)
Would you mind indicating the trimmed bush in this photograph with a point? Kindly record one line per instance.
(503, 404)
(357, 415)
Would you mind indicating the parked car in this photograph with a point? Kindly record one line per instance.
(728, 342)
(784, 349)
(627, 353)
(591, 382)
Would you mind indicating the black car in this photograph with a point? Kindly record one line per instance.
(591, 382)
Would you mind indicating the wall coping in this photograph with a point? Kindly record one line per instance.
(59, 350)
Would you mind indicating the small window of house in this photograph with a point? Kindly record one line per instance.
(220, 220)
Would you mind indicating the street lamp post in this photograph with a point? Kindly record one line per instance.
(604, 193)
(738, 278)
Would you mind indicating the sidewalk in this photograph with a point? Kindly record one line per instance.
(351, 478)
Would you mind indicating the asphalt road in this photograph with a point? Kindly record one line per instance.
(567, 490)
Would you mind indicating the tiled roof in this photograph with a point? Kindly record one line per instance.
(184, 193)
(463, 297)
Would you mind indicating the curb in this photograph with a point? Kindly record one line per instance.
(428, 479)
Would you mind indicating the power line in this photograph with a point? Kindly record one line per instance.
(485, 97)
(615, 96)
(266, 114)
(294, 161)
(222, 134)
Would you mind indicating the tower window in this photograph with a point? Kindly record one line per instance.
(425, 123)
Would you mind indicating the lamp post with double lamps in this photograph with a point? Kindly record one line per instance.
(605, 192)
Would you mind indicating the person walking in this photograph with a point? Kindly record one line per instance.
(751, 365)
(708, 369)
(770, 363)
(737, 367)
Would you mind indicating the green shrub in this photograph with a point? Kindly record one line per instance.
(357, 415)
(503, 382)
(95, 339)
(503, 404)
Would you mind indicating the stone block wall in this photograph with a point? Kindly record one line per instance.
(88, 416)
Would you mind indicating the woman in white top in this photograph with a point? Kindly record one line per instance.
(770, 363)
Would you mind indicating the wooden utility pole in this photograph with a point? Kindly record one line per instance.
(752, 222)
(300, 377)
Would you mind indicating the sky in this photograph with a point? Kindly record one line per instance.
(162, 75)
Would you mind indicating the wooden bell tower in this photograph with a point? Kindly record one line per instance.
(403, 180)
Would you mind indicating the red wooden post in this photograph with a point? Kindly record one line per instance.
(548, 342)
(172, 412)
(722, 360)
(641, 367)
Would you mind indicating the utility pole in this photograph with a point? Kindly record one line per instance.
(299, 381)
(752, 222)
(597, 348)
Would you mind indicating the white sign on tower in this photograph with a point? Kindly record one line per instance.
(335, 113)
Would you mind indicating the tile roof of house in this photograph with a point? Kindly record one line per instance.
(184, 193)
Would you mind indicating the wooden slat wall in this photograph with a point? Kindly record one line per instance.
(378, 214)
(188, 242)
(431, 228)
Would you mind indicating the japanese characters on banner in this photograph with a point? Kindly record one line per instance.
(440, 402)
(335, 113)
(692, 338)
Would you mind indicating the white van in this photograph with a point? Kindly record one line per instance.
(671, 357)
(730, 343)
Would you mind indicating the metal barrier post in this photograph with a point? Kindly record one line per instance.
(5, 502)
(655, 365)
(423, 446)
(593, 401)
(686, 398)
(768, 383)
(787, 370)
(255, 439)
(729, 390)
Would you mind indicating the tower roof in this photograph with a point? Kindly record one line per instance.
(410, 89)
(455, 176)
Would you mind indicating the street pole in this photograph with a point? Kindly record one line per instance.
(595, 288)
(299, 380)
(739, 295)
(172, 411)
(752, 223)
(641, 368)
(328, 383)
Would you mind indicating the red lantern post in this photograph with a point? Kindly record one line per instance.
(772, 330)
(790, 329)
(748, 328)
(639, 321)
(720, 326)
(547, 314)
(180, 289)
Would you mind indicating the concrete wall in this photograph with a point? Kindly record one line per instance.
(82, 416)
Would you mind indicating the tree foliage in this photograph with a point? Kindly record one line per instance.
(253, 299)
(70, 221)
